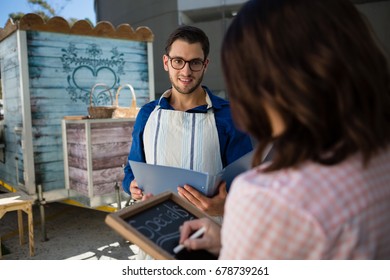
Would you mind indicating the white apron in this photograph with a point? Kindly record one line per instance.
(181, 139)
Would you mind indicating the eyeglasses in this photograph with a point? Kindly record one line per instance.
(179, 63)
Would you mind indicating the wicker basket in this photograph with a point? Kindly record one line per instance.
(100, 112)
(125, 112)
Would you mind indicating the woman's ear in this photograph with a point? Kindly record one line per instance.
(277, 123)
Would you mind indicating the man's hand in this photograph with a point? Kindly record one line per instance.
(213, 206)
(136, 193)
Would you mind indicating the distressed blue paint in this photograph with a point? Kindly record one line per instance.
(85, 61)
(62, 70)
(12, 108)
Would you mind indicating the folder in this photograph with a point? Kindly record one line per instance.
(156, 179)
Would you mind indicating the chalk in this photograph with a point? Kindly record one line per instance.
(195, 235)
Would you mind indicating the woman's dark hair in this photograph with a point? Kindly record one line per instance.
(190, 34)
(316, 63)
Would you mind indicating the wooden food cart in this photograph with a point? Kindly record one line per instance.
(49, 148)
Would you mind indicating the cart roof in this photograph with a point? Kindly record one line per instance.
(57, 24)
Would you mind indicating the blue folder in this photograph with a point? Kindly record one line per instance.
(156, 179)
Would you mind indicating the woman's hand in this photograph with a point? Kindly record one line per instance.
(210, 240)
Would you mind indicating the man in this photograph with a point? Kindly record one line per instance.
(188, 127)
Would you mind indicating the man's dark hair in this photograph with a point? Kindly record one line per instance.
(190, 34)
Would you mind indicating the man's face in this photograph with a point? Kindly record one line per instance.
(185, 81)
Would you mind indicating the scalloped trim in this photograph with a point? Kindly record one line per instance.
(82, 27)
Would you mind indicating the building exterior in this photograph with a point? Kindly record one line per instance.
(162, 17)
(213, 16)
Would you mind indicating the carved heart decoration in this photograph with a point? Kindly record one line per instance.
(85, 77)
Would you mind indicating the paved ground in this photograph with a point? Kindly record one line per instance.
(73, 233)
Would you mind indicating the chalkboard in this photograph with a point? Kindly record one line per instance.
(154, 224)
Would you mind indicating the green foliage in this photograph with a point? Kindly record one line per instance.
(46, 10)
(16, 16)
(43, 4)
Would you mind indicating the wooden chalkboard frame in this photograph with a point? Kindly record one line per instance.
(117, 221)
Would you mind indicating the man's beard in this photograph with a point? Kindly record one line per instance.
(189, 91)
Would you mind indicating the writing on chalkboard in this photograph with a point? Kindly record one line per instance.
(154, 225)
(161, 223)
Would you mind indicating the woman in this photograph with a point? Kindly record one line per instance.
(307, 76)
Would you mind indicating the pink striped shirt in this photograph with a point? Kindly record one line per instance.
(312, 212)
